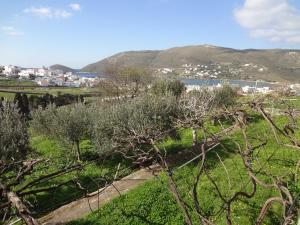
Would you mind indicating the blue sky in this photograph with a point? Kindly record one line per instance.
(76, 33)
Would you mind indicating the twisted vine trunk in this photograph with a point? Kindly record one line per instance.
(172, 185)
(16, 202)
(195, 137)
(78, 153)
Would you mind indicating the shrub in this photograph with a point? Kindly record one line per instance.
(13, 133)
(69, 124)
(162, 87)
(225, 96)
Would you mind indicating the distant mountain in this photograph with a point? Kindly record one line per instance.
(65, 69)
(141, 59)
(212, 61)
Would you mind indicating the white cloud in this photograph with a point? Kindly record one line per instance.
(11, 31)
(274, 20)
(48, 12)
(75, 6)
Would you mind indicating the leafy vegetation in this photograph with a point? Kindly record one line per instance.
(159, 207)
(16, 82)
(251, 166)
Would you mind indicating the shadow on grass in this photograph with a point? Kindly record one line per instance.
(93, 177)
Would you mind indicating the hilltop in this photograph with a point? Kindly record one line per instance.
(65, 69)
(206, 61)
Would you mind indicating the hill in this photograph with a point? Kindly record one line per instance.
(206, 61)
(141, 59)
(65, 69)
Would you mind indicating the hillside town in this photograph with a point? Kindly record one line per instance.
(47, 77)
(214, 70)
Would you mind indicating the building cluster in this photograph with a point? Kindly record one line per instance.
(47, 77)
(243, 90)
(292, 89)
(252, 90)
(214, 71)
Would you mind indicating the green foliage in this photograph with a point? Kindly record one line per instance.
(16, 82)
(69, 124)
(13, 133)
(60, 100)
(152, 203)
(225, 96)
(90, 177)
(163, 87)
(132, 124)
(21, 100)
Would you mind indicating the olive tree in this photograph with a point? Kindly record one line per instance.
(69, 124)
(134, 79)
(17, 168)
(124, 81)
(135, 128)
(163, 87)
(13, 133)
(225, 96)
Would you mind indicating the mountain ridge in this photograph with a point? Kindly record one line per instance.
(267, 64)
(63, 68)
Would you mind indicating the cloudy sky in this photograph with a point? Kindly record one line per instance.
(75, 33)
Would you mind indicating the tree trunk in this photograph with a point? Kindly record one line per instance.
(172, 185)
(78, 154)
(16, 202)
(195, 137)
(180, 202)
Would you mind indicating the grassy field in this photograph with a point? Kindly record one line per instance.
(92, 93)
(152, 203)
(92, 177)
(15, 82)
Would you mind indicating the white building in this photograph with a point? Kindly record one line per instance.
(42, 72)
(167, 70)
(248, 89)
(192, 87)
(263, 90)
(27, 72)
(251, 90)
(10, 70)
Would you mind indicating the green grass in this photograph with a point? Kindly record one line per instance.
(15, 82)
(185, 140)
(92, 177)
(152, 203)
(53, 91)
(8, 96)
(58, 91)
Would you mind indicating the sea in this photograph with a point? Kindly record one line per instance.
(201, 82)
(235, 83)
(90, 75)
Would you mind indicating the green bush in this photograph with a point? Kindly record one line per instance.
(163, 87)
(225, 96)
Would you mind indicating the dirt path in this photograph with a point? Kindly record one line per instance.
(79, 209)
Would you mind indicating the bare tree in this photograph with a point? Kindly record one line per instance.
(255, 169)
(134, 80)
(124, 81)
(196, 106)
